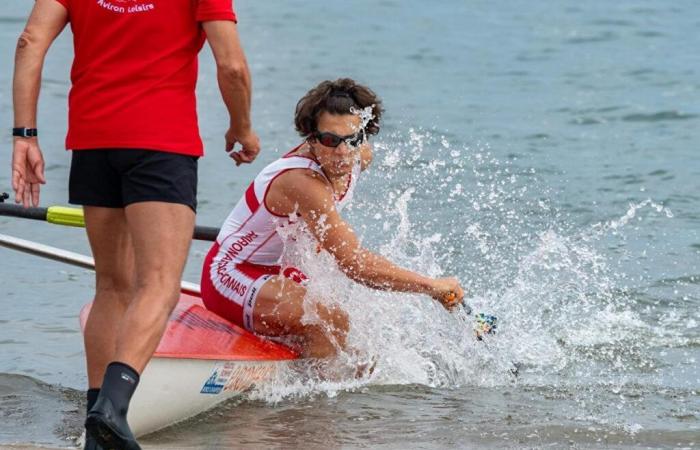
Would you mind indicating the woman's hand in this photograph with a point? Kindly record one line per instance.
(447, 291)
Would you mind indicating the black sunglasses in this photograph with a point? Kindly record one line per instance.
(329, 139)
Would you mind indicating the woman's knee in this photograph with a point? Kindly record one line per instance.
(335, 324)
(335, 318)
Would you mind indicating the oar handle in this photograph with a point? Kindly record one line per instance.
(202, 233)
(7, 209)
(62, 215)
(449, 298)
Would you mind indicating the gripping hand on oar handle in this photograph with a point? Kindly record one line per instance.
(448, 292)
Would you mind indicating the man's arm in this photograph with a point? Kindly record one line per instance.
(236, 87)
(47, 20)
(314, 202)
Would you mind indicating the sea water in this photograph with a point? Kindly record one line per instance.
(543, 153)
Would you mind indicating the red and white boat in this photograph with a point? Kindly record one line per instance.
(201, 361)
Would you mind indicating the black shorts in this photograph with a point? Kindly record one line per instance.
(115, 178)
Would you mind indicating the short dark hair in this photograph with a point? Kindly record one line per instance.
(336, 97)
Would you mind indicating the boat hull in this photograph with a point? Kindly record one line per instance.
(173, 390)
(201, 361)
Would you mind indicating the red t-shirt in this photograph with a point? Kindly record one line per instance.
(135, 71)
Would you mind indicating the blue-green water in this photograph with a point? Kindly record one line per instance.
(543, 152)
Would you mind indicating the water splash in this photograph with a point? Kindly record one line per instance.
(365, 114)
(565, 313)
(601, 228)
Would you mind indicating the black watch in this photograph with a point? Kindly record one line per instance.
(25, 132)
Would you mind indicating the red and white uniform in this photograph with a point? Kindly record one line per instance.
(248, 249)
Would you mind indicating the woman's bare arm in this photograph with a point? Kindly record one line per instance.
(313, 200)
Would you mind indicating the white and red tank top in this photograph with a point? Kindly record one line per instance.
(249, 234)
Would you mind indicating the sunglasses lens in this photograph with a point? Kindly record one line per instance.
(329, 139)
(332, 140)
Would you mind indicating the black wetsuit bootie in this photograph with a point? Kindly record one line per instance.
(90, 442)
(106, 420)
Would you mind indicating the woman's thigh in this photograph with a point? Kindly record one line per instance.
(279, 308)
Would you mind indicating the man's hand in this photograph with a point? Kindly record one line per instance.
(27, 171)
(250, 146)
(447, 291)
(235, 84)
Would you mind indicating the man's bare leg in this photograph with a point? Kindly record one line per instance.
(114, 286)
(160, 234)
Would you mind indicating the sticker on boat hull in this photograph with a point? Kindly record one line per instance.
(236, 377)
(214, 384)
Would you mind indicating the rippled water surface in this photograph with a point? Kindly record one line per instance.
(545, 153)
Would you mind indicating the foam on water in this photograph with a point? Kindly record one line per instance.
(565, 315)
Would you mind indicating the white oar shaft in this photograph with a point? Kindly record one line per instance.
(76, 259)
(46, 251)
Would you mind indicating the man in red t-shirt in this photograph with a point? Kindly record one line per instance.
(135, 143)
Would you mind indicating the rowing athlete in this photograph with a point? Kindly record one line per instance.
(242, 279)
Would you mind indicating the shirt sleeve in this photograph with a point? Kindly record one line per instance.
(214, 10)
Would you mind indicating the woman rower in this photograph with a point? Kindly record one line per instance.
(242, 279)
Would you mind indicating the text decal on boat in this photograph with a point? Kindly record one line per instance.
(192, 321)
(236, 376)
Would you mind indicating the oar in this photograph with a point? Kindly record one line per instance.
(62, 215)
(73, 217)
(76, 259)
(484, 324)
